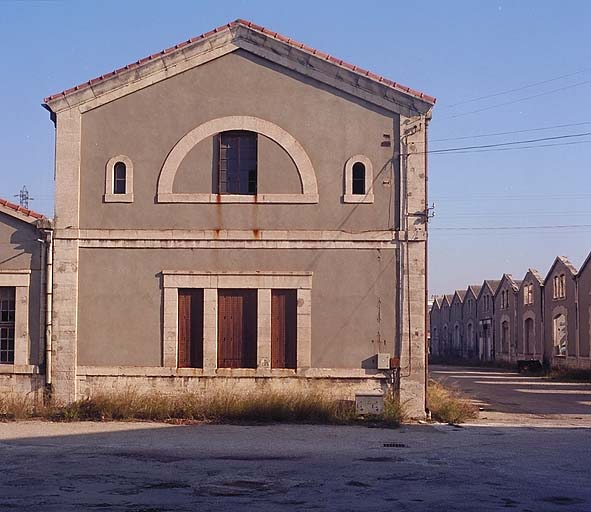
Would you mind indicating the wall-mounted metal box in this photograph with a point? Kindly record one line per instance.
(369, 402)
(383, 361)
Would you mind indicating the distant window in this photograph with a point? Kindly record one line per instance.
(238, 163)
(7, 305)
(560, 334)
(530, 293)
(358, 178)
(559, 289)
(119, 178)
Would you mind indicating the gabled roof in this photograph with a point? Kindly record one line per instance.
(491, 284)
(584, 265)
(475, 288)
(512, 282)
(535, 274)
(248, 36)
(18, 212)
(565, 261)
(460, 294)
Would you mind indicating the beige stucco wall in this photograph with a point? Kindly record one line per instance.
(20, 251)
(146, 125)
(121, 300)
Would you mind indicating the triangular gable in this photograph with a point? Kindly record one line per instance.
(267, 44)
(566, 263)
(534, 275)
(488, 285)
(509, 279)
(585, 263)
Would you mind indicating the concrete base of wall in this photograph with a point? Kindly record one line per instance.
(583, 363)
(29, 385)
(338, 387)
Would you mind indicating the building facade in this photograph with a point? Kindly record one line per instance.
(530, 315)
(23, 298)
(533, 320)
(560, 313)
(239, 210)
(506, 318)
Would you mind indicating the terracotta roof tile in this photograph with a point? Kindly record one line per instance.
(20, 209)
(269, 33)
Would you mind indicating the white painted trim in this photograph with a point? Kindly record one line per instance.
(348, 196)
(234, 234)
(233, 244)
(15, 277)
(157, 371)
(110, 196)
(253, 124)
(264, 329)
(238, 198)
(20, 281)
(15, 369)
(215, 280)
(210, 329)
(149, 73)
(211, 282)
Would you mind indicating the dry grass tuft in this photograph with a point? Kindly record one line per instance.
(448, 405)
(229, 407)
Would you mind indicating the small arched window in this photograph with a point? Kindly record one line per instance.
(358, 178)
(119, 178)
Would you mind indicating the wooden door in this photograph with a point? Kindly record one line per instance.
(190, 353)
(237, 328)
(283, 328)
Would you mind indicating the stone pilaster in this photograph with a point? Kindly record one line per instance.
(413, 259)
(65, 280)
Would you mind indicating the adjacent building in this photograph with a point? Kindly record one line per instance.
(24, 295)
(535, 319)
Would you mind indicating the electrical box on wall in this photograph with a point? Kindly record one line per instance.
(383, 361)
(369, 402)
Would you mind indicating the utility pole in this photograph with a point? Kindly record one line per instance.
(24, 198)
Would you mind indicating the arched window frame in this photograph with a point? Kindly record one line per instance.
(348, 196)
(110, 196)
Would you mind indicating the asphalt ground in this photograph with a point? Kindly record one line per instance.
(510, 398)
(156, 467)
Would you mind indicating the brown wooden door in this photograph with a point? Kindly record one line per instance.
(190, 328)
(237, 328)
(283, 329)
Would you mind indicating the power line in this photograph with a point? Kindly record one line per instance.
(511, 143)
(512, 148)
(516, 101)
(511, 132)
(516, 89)
(510, 228)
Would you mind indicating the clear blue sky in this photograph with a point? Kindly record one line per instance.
(454, 50)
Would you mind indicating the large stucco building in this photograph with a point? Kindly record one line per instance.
(238, 210)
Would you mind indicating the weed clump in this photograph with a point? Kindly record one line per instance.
(448, 405)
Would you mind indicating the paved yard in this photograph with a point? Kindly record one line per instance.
(508, 397)
(152, 467)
